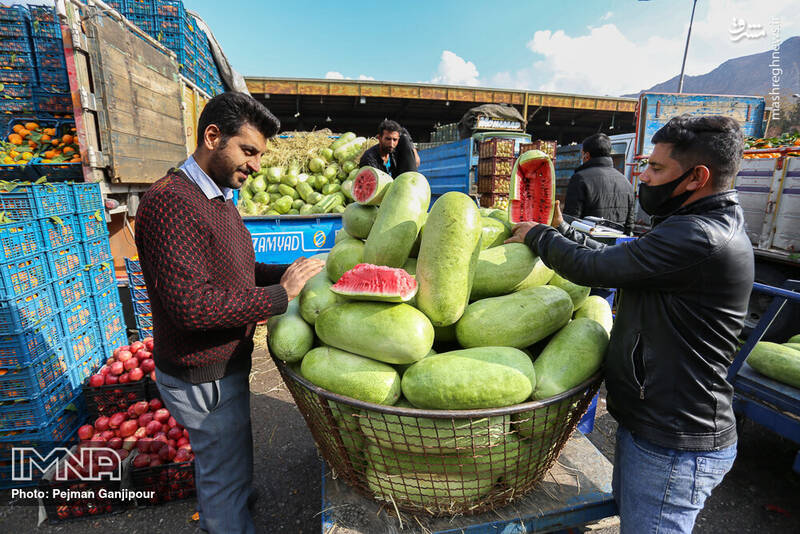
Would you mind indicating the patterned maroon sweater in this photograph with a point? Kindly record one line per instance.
(205, 287)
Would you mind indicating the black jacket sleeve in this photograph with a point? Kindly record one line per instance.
(576, 196)
(630, 219)
(371, 159)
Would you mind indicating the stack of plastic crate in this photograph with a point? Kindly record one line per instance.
(51, 94)
(37, 396)
(17, 74)
(141, 302)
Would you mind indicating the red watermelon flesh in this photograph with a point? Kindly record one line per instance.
(376, 282)
(532, 193)
(369, 186)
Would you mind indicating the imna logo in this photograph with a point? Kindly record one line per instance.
(319, 239)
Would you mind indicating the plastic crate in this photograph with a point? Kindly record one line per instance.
(101, 276)
(55, 78)
(496, 148)
(77, 316)
(142, 307)
(136, 279)
(48, 30)
(48, 102)
(20, 239)
(65, 260)
(25, 200)
(171, 482)
(15, 45)
(132, 265)
(32, 413)
(23, 275)
(50, 60)
(21, 312)
(107, 301)
(72, 289)
(97, 250)
(87, 197)
(494, 184)
(144, 321)
(92, 225)
(13, 28)
(139, 7)
(117, 340)
(145, 332)
(79, 372)
(17, 106)
(18, 13)
(48, 46)
(56, 171)
(17, 76)
(17, 90)
(43, 14)
(19, 350)
(494, 200)
(548, 147)
(110, 326)
(15, 60)
(170, 39)
(28, 382)
(60, 231)
(169, 8)
(144, 22)
(139, 293)
(15, 173)
(58, 430)
(118, 5)
(113, 398)
(495, 167)
(82, 343)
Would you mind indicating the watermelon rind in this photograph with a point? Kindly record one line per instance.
(517, 203)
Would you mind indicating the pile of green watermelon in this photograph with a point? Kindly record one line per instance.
(314, 184)
(431, 310)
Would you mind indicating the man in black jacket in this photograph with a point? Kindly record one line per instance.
(597, 188)
(684, 288)
(394, 153)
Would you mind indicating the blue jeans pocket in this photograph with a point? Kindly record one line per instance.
(709, 472)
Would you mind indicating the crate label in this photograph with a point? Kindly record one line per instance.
(276, 241)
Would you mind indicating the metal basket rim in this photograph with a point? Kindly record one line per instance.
(439, 414)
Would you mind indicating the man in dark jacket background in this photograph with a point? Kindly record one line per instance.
(684, 289)
(597, 188)
(395, 153)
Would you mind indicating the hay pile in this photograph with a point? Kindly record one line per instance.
(300, 147)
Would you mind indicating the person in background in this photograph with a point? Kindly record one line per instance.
(207, 293)
(684, 288)
(394, 153)
(598, 189)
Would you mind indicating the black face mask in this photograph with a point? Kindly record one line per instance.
(657, 200)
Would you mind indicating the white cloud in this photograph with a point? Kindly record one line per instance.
(607, 60)
(455, 70)
(334, 75)
(365, 77)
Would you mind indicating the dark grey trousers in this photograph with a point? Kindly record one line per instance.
(217, 416)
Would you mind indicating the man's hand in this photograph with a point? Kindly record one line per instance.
(520, 231)
(298, 273)
(557, 217)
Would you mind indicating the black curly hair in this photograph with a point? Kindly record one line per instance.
(715, 141)
(231, 110)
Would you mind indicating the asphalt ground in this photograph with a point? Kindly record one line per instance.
(761, 494)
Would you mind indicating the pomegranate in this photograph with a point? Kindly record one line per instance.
(188, 447)
(182, 441)
(117, 419)
(153, 428)
(124, 355)
(101, 423)
(140, 407)
(161, 415)
(96, 440)
(120, 349)
(145, 418)
(129, 443)
(167, 454)
(117, 368)
(104, 370)
(148, 343)
(107, 434)
(143, 444)
(185, 433)
(111, 379)
(123, 453)
(85, 432)
(111, 360)
(171, 443)
(147, 365)
(181, 455)
(175, 433)
(140, 432)
(135, 374)
(115, 443)
(155, 404)
(155, 461)
(153, 375)
(140, 355)
(136, 346)
(124, 378)
(97, 380)
(141, 460)
(171, 422)
(127, 428)
(131, 364)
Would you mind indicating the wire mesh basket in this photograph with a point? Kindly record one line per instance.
(439, 462)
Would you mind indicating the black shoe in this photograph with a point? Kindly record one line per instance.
(255, 494)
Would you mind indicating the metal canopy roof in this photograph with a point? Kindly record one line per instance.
(359, 106)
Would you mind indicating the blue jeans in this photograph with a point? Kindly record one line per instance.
(660, 490)
(217, 416)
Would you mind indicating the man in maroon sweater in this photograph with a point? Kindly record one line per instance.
(207, 293)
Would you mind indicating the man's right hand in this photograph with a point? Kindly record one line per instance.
(298, 273)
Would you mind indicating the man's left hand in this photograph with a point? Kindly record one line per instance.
(520, 231)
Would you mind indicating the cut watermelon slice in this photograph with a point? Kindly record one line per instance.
(370, 185)
(532, 194)
(376, 282)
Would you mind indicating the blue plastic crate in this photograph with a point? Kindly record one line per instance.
(59, 231)
(56, 171)
(92, 224)
(111, 325)
(17, 90)
(117, 340)
(17, 106)
(48, 30)
(170, 39)
(32, 413)
(142, 307)
(139, 293)
(28, 382)
(77, 316)
(169, 8)
(145, 332)
(19, 45)
(107, 301)
(145, 22)
(79, 372)
(17, 76)
(139, 7)
(81, 343)
(59, 429)
(19, 350)
(54, 77)
(15, 60)
(65, 260)
(144, 321)
(25, 200)
(136, 279)
(72, 289)
(49, 102)
(43, 13)
(101, 276)
(132, 265)
(21, 312)
(87, 197)
(48, 46)
(18, 13)
(23, 275)
(20, 239)
(13, 28)
(97, 250)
